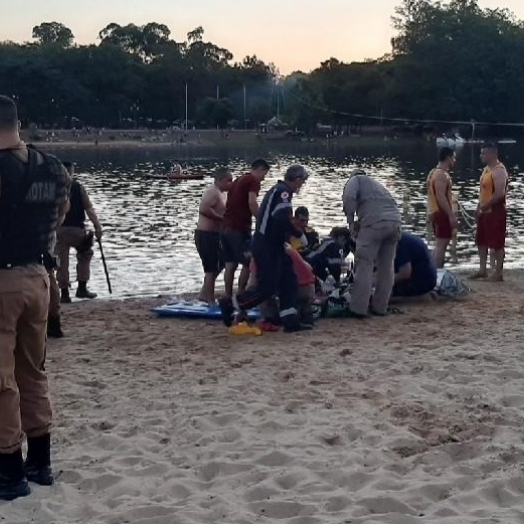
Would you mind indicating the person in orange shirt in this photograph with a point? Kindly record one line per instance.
(491, 213)
(440, 204)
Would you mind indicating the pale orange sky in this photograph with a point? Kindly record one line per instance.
(294, 34)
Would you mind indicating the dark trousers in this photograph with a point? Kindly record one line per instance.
(414, 287)
(275, 275)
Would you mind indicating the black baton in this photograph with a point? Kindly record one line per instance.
(105, 265)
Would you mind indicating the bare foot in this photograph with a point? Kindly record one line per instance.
(495, 278)
(201, 298)
(478, 276)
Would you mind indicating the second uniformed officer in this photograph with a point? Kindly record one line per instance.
(72, 233)
(33, 199)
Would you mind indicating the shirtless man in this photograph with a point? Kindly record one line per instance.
(491, 213)
(207, 233)
(440, 204)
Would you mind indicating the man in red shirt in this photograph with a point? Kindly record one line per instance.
(241, 207)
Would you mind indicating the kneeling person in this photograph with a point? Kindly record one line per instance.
(309, 234)
(328, 257)
(415, 270)
(305, 293)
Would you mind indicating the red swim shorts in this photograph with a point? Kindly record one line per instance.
(491, 229)
(441, 226)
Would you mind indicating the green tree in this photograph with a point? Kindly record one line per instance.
(53, 33)
(147, 41)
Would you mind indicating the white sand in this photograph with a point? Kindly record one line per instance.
(408, 419)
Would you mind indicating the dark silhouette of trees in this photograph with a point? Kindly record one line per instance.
(449, 61)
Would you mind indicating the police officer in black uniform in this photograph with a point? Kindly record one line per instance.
(275, 273)
(73, 233)
(33, 200)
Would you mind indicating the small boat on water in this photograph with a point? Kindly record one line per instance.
(454, 141)
(185, 176)
(177, 173)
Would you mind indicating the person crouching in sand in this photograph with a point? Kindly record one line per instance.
(306, 279)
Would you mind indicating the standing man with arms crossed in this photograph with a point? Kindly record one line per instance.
(378, 233)
(440, 204)
(491, 213)
(241, 207)
(33, 201)
(275, 272)
(72, 233)
(207, 233)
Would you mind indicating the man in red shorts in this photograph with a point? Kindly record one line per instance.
(241, 207)
(440, 208)
(491, 213)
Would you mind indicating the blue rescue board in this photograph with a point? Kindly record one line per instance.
(195, 310)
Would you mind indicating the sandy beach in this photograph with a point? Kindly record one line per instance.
(412, 418)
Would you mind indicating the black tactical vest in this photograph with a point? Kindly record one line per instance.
(76, 216)
(30, 196)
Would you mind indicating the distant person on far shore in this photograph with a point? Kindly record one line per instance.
(72, 234)
(491, 213)
(207, 233)
(176, 172)
(241, 208)
(440, 204)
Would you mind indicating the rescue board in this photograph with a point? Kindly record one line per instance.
(185, 309)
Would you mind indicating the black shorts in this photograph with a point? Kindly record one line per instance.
(234, 245)
(208, 247)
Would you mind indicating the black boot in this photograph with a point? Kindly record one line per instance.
(227, 311)
(64, 296)
(54, 328)
(292, 324)
(13, 483)
(38, 463)
(83, 292)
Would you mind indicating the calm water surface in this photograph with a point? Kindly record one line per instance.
(149, 222)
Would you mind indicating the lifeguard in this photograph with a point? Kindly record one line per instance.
(440, 204)
(491, 213)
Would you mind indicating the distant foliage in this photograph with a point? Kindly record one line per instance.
(449, 61)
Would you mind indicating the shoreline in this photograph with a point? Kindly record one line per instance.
(209, 140)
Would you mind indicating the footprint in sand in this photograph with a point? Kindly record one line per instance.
(282, 510)
(274, 459)
(260, 493)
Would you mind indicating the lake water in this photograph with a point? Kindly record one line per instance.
(148, 223)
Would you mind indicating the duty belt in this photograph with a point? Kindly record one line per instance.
(19, 263)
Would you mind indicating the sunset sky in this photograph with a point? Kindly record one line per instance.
(293, 34)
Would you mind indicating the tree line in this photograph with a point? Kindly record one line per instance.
(449, 61)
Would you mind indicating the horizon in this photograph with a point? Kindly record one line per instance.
(335, 28)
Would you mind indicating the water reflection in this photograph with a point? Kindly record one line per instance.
(149, 221)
